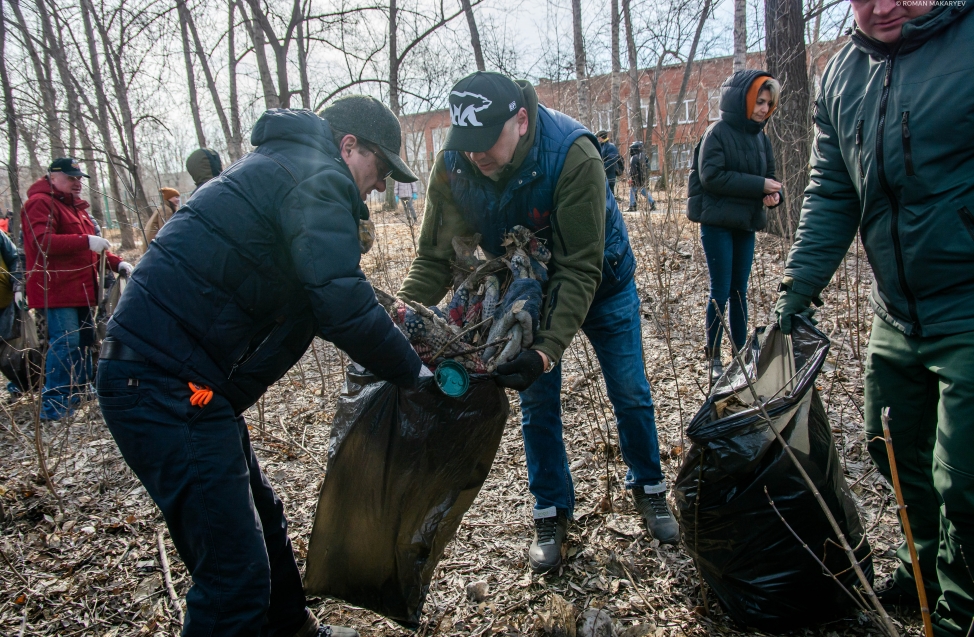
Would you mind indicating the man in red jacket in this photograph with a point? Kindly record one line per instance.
(62, 248)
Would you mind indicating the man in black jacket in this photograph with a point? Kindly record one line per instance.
(258, 262)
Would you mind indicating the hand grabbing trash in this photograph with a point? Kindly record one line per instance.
(495, 310)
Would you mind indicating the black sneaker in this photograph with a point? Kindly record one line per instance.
(651, 504)
(716, 371)
(550, 526)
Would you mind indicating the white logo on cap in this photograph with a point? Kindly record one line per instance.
(512, 106)
(465, 114)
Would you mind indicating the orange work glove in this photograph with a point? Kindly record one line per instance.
(202, 395)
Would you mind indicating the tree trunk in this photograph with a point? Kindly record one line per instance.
(635, 107)
(394, 62)
(791, 128)
(280, 49)
(740, 35)
(616, 70)
(101, 120)
(10, 117)
(478, 52)
(687, 69)
(235, 141)
(48, 97)
(581, 73)
(210, 81)
(271, 99)
(303, 66)
(36, 170)
(194, 103)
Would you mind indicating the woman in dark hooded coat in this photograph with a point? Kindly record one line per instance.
(732, 180)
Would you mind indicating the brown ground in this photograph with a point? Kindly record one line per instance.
(88, 563)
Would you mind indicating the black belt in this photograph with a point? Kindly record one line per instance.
(112, 350)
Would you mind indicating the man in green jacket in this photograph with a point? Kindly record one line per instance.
(893, 159)
(509, 161)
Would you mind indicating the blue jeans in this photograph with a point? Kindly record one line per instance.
(645, 192)
(223, 516)
(67, 370)
(612, 326)
(729, 257)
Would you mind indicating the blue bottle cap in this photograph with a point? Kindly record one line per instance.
(452, 378)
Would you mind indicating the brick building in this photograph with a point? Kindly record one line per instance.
(424, 133)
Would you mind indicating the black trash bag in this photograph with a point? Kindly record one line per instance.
(403, 468)
(20, 353)
(761, 574)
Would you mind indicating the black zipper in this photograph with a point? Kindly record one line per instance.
(967, 218)
(561, 237)
(552, 304)
(907, 145)
(252, 350)
(893, 203)
(859, 123)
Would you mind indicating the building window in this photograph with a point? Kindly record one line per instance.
(686, 112)
(681, 156)
(654, 158)
(439, 138)
(713, 105)
(603, 117)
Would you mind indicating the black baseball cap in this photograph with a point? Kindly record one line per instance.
(480, 105)
(372, 121)
(67, 165)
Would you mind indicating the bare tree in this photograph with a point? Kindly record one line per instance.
(43, 73)
(478, 52)
(235, 141)
(635, 106)
(791, 128)
(740, 35)
(688, 67)
(581, 72)
(10, 117)
(616, 70)
(194, 103)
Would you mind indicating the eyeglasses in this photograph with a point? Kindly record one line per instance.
(381, 166)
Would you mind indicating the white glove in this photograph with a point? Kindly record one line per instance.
(125, 268)
(20, 301)
(98, 244)
(424, 372)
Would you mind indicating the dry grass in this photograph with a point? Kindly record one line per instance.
(94, 568)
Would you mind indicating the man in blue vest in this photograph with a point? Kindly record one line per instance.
(509, 161)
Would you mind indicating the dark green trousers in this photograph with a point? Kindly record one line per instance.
(928, 385)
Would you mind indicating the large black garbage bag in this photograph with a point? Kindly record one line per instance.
(762, 575)
(403, 468)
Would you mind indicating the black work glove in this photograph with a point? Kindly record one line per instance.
(521, 372)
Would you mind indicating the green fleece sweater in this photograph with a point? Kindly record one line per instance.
(575, 269)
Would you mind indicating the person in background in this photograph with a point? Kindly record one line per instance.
(62, 249)
(732, 181)
(893, 161)
(203, 164)
(407, 193)
(170, 204)
(639, 176)
(5, 221)
(611, 159)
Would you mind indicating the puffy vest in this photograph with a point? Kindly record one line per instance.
(528, 198)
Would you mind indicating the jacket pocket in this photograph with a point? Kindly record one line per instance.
(859, 147)
(256, 343)
(967, 218)
(907, 145)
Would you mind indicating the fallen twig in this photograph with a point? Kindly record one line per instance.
(167, 576)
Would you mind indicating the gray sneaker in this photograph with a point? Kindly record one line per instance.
(550, 526)
(651, 504)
